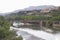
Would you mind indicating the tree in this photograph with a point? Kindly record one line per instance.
(5, 33)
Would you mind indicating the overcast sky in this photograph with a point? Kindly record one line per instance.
(11, 5)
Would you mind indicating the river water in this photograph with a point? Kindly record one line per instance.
(30, 34)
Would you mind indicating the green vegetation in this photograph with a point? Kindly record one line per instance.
(29, 18)
(53, 15)
(5, 33)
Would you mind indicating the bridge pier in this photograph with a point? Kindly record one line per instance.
(43, 24)
(40, 24)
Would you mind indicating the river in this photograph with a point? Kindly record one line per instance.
(30, 34)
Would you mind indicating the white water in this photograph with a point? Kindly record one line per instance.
(57, 36)
(40, 34)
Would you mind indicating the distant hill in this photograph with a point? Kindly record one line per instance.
(38, 7)
(25, 11)
(32, 10)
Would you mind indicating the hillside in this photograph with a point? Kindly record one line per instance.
(34, 10)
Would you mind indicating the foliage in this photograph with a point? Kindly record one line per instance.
(5, 33)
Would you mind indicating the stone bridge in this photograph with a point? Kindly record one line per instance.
(40, 23)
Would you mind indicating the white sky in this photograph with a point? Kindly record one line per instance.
(11, 5)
